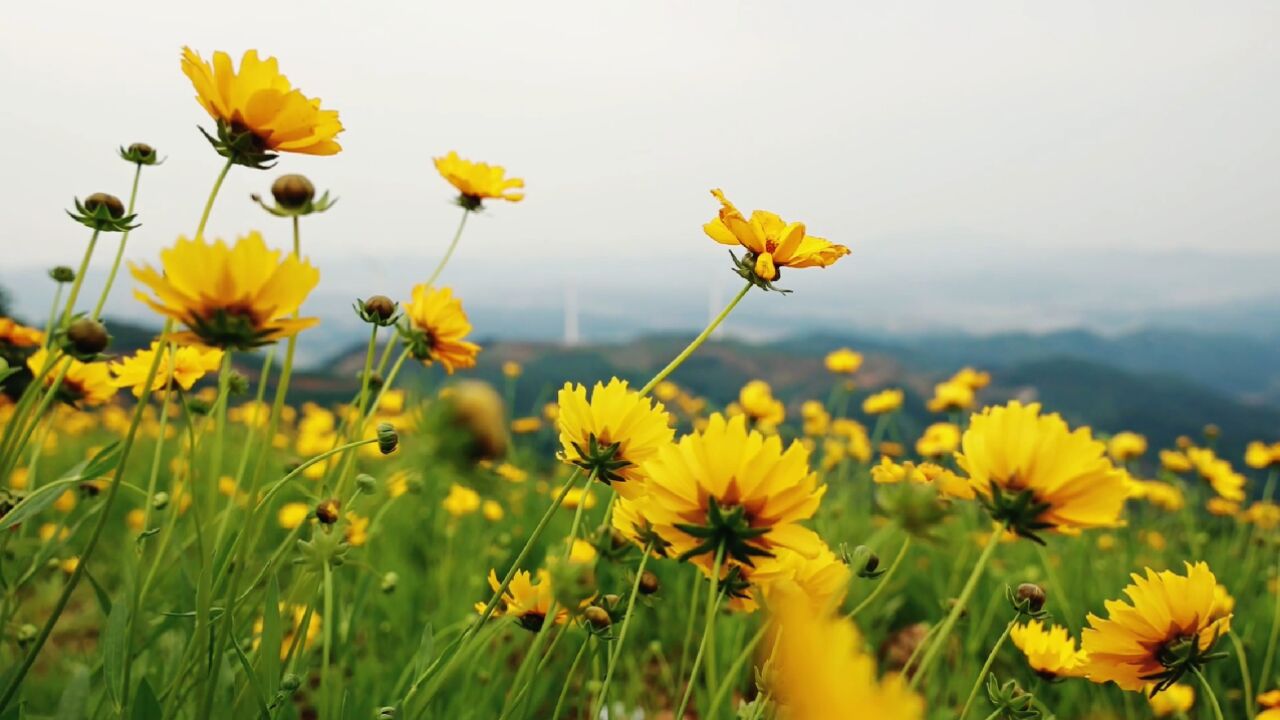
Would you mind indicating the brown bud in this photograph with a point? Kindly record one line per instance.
(110, 202)
(327, 511)
(598, 617)
(380, 306)
(1033, 595)
(648, 583)
(1212, 431)
(292, 191)
(142, 149)
(88, 336)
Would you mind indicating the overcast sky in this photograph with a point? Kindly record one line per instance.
(975, 156)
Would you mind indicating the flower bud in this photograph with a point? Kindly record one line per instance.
(26, 633)
(139, 153)
(387, 438)
(1032, 595)
(292, 191)
(87, 337)
(598, 617)
(62, 274)
(366, 483)
(160, 500)
(389, 582)
(196, 406)
(112, 203)
(864, 562)
(1212, 431)
(290, 683)
(327, 511)
(386, 713)
(237, 383)
(648, 583)
(379, 308)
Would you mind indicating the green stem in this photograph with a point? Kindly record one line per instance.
(708, 632)
(568, 679)
(736, 667)
(957, 609)
(457, 235)
(697, 342)
(986, 666)
(361, 409)
(1210, 696)
(326, 666)
(53, 316)
(884, 580)
(79, 281)
(124, 239)
(622, 635)
(1058, 590)
(1268, 658)
(1245, 680)
(213, 194)
(691, 618)
(15, 682)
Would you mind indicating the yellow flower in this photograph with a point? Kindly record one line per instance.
(1126, 446)
(613, 433)
(525, 601)
(885, 401)
(84, 383)
(229, 297)
(442, 326)
(843, 361)
(70, 564)
(770, 242)
(357, 531)
(291, 515)
(735, 489)
(1270, 702)
(938, 439)
(1071, 482)
(491, 510)
(951, 396)
(816, 419)
(134, 520)
(19, 478)
(1265, 515)
(1106, 541)
(511, 473)
(947, 483)
(292, 615)
(1166, 496)
(821, 670)
(974, 379)
(1133, 645)
(578, 496)
(1218, 473)
(1176, 700)
(1174, 461)
(550, 412)
(511, 369)
(822, 577)
(186, 365)
(526, 425)
(1050, 651)
(398, 483)
(1258, 455)
(477, 182)
(1154, 540)
(757, 402)
(1222, 507)
(666, 391)
(461, 501)
(15, 335)
(259, 100)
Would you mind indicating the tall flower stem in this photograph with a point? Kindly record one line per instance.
(326, 667)
(697, 342)
(362, 407)
(1246, 682)
(213, 194)
(457, 235)
(986, 666)
(568, 679)
(736, 667)
(124, 239)
(53, 316)
(708, 637)
(944, 632)
(602, 698)
(79, 281)
(1058, 590)
(691, 618)
(104, 515)
(1268, 658)
(1209, 694)
(883, 583)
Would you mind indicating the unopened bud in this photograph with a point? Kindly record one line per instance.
(112, 203)
(387, 438)
(62, 274)
(87, 337)
(237, 383)
(1032, 595)
(160, 500)
(366, 483)
(290, 683)
(389, 582)
(386, 713)
(327, 511)
(379, 310)
(648, 583)
(292, 191)
(598, 617)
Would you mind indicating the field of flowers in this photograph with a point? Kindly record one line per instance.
(182, 538)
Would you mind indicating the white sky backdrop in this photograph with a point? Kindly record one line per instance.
(992, 164)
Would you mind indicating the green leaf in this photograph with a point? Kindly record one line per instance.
(14, 712)
(114, 649)
(145, 704)
(272, 636)
(73, 704)
(44, 496)
(104, 600)
(426, 649)
(253, 680)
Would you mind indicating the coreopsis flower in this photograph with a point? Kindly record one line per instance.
(435, 327)
(821, 670)
(258, 111)
(821, 576)
(816, 418)
(477, 182)
(938, 439)
(83, 383)
(612, 433)
(951, 396)
(1166, 496)
(182, 368)
(292, 514)
(1270, 703)
(1218, 473)
(492, 510)
(510, 473)
(229, 297)
(858, 445)
(974, 379)
(1126, 446)
(1265, 515)
(1175, 461)
(730, 490)
(757, 402)
(511, 370)
(577, 496)
(885, 401)
(946, 482)
(1050, 650)
(1174, 700)
(770, 243)
(1257, 455)
(1222, 507)
(843, 361)
(356, 533)
(293, 615)
(629, 519)
(525, 601)
(461, 501)
(526, 425)
(1036, 474)
(1170, 624)
(16, 335)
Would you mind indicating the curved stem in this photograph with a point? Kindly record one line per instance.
(124, 239)
(79, 281)
(622, 634)
(708, 631)
(104, 516)
(1268, 658)
(944, 631)
(213, 194)
(568, 679)
(697, 342)
(986, 666)
(1208, 693)
(1245, 681)
(457, 235)
(884, 580)
(737, 665)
